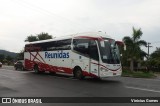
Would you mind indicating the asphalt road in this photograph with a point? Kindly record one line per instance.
(28, 84)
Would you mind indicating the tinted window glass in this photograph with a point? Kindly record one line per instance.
(49, 46)
(32, 48)
(109, 51)
(93, 50)
(86, 47)
(81, 46)
(63, 44)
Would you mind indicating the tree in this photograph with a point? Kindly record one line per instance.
(2, 57)
(31, 38)
(143, 54)
(9, 59)
(133, 45)
(44, 36)
(154, 60)
(41, 36)
(20, 55)
(155, 54)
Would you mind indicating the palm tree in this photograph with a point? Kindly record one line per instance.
(133, 45)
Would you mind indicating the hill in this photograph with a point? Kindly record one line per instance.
(8, 53)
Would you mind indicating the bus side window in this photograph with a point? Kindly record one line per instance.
(63, 44)
(58, 45)
(81, 46)
(93, 51)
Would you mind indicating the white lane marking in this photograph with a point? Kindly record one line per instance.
(9, 70)
(5, 76)
(154, 79)
(158, 79)
(151, 79)
(2, 69)
(143, 89)
(6, 69)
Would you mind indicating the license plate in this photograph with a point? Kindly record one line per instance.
(114, 73)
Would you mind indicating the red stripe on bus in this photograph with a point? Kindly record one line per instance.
(46, 67)
(105, 66)
(88, 37)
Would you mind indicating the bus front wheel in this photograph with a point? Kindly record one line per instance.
(78, 73)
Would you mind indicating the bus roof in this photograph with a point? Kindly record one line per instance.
(86, 34)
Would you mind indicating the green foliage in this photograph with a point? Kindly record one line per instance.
(156, 54)
(31, 38)
(137, 74)
(44, 36)
(6, 59)
(133, 45)
(41, 36)
(154, 61)
(20, 55)
(2, 57)
(9, 58)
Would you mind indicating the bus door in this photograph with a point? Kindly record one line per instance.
(94, 58)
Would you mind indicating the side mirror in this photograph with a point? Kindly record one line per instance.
(120, 43)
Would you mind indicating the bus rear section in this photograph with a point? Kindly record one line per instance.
(52, 56)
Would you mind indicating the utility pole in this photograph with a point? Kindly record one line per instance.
(148, 45)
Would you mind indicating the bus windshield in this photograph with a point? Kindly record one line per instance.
(109, 51)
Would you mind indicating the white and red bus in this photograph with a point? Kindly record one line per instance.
(87, 54)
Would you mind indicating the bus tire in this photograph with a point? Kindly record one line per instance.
(78, 73)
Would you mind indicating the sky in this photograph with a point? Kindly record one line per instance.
(21, 18)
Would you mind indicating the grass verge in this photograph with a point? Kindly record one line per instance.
(138, 74)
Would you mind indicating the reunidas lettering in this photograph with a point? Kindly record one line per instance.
(57, 55)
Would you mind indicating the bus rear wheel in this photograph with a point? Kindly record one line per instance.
(78, 73)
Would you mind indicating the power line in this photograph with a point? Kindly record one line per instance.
(31, 8)
(155, 42)
(51, 14)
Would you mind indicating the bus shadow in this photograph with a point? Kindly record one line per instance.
(52, 74)
(86, 79)
(102, 81)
